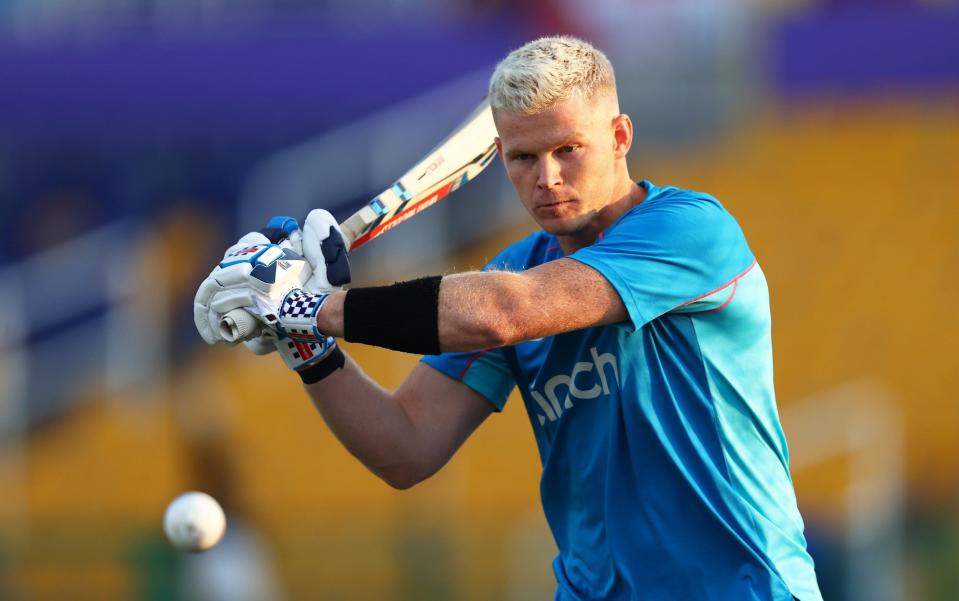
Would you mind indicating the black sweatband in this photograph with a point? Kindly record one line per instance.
(403, 317)
(324, 367)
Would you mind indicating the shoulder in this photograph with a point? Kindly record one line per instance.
(535, 249)
(673, 227)
(669, 205)
(678, 219)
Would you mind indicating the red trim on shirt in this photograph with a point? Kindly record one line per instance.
(470, 362)
(722, 306)
(732, 282)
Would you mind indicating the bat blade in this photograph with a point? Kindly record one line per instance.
(463, 155)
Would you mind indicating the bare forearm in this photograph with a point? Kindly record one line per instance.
(498, 308)
(366, 419)
(403, 436)
(480, 310)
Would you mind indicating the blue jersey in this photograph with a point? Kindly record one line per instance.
(665, 469)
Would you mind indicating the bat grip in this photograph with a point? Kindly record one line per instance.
(237, 325)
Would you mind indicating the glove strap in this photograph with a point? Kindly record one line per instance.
(317, 371)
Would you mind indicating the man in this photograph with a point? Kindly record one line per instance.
(636, 326)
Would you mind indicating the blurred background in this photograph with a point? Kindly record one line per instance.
(139, 138)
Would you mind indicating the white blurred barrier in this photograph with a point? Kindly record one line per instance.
(76, 315)
(13, 384)
(84, 312)
(859, 422)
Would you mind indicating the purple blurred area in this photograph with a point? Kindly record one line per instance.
(864, 47)
(281, 76)
(132, 120)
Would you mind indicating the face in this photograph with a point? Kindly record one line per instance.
(567, 163)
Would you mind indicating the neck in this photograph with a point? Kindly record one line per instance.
(628, 196)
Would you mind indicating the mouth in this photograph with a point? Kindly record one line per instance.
(553, 205)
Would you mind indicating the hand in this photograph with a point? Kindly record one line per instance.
(295, 335)
(255, 275)
(320, 242)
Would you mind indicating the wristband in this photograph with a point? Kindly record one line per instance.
(403, 317)
(321, 369)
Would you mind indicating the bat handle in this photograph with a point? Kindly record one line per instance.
(351, 229)
(237, 325)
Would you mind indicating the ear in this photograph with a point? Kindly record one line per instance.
(499, 149)
(622, 134)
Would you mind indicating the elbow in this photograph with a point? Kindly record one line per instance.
(491, 314)
(508, 320)
(506, 308)
(491, 328)
(491, 334)
(401, 477)
(399, 482)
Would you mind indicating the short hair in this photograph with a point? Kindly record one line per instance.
(549, 70)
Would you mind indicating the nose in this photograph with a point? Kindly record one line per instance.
(549, 173)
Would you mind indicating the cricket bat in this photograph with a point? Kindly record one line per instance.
(459, 158)
(456, 160)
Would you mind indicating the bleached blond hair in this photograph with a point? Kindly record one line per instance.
(549, 70)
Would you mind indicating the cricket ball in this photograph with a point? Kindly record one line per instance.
(194, 521)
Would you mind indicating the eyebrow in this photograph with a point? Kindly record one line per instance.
(572, 138)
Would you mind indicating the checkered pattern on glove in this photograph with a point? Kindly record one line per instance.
(296, 317)
(299, 341)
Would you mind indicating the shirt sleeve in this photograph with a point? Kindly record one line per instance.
(670, 254)
(486, 372)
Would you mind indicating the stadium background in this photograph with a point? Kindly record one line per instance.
(138, 138)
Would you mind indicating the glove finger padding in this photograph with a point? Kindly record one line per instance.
(204, 321)
(325, 249)
(227, 300)
(264, 344)
(254, 277)
(204, 318)
(248, 240)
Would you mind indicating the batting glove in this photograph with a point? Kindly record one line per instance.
(275, 269)
(295, 335)
(253, 277)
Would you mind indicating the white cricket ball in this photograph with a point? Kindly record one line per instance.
(194, 521)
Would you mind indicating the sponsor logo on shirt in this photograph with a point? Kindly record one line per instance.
(580, 383)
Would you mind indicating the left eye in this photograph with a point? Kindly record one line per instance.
(568, 148)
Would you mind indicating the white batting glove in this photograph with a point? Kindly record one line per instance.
(324, 247)
(205, 318)
(253, 277)
(320, 242)
(296, 336)
(269, 277)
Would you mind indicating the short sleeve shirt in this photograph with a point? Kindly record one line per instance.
(665, 468)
